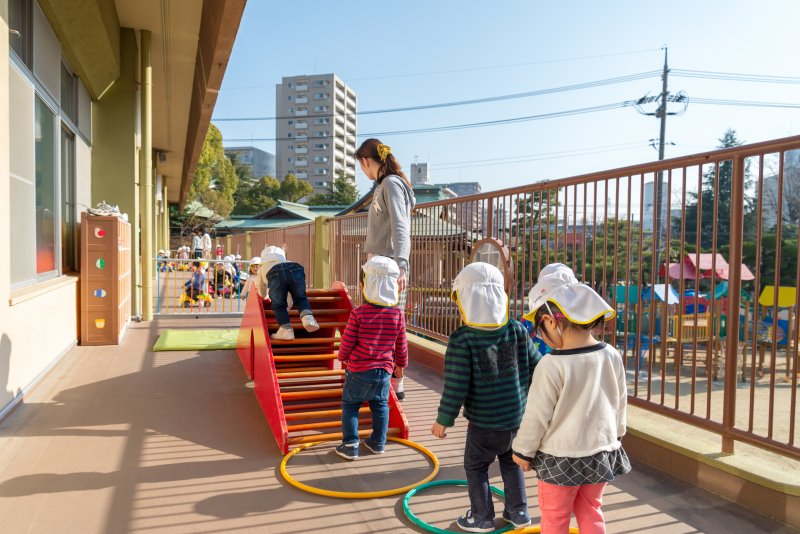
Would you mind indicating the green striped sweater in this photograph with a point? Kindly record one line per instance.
(488, 372)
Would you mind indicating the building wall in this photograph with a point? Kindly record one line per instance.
(115, 161)
(7, 389)
(334, 105)
(260, 162)
(419, 173)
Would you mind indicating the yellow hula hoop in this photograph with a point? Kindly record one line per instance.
(360, 494)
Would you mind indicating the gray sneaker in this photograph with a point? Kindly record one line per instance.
(518, 519)
(468, 523)
(348, 452)
(374, 449)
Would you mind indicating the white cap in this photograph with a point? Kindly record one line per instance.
(481, 295)
(578, 302)
(255, 260)
(380, 284)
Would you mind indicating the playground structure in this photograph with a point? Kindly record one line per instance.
(298, 383)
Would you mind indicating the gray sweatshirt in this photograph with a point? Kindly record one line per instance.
(389, 220)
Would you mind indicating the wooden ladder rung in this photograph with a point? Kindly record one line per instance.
(296, 313)
(299, 326)
(303, 341)
(320, 414)
(309, 374)
(305, 357)
(302, 384)
(323, 299)
(300, 350)
(312, 406)
(319, 394)
(336, 436)
(281, 369)
(322, 424)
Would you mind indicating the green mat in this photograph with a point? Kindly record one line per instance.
(222, 339)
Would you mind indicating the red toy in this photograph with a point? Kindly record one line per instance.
(298, 383)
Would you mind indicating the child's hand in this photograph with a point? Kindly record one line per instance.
(439, 431)
(398, 372)
(523, 464)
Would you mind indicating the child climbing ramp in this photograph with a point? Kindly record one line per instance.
(298, 382)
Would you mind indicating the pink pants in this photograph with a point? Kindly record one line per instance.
(558, 503)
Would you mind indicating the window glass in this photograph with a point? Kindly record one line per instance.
(19, 29)
(45, 152)
(68, 209)
(69, 97)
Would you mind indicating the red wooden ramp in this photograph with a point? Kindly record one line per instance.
(298, 383)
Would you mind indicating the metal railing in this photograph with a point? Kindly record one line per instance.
(223, 289)
(673, 260)
(296, 241)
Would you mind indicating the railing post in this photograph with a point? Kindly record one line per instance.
(490, 221)
(228, 247)
(734, 296)
(248, 244)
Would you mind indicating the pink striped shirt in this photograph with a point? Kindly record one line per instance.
(375, 338)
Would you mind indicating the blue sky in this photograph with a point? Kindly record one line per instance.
(404, 53)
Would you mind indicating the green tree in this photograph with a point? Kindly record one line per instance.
(534, 217)
(257, 196)
(721, 190)
(292, 189)
(342, 192)
(215, 179)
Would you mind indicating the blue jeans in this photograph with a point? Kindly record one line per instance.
(283, 279)
(482, 447)
(369, 386)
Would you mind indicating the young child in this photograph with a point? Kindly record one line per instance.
(575, 415)
(194, 285)
(487, 369)
(373, 347)
(277, 279)
(249, 277)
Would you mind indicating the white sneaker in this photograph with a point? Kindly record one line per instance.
(285, 334)
(309, 323)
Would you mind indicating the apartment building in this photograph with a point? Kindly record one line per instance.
(260, 162)
(315, 129)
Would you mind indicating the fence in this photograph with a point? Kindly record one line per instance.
(297, 241)
(725, 355)
(220, 287)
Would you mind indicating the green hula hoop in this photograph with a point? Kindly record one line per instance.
(430, 528)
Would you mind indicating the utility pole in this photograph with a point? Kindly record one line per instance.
(661, 113)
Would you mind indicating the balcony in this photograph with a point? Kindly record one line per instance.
(124, 439)
(302, 175)
(321, 159)
(301, 125)
(301, 137)
(301, 100)
(301, 87)
(301, 113)
(301, 150)
(301, 163)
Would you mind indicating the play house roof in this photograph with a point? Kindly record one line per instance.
(703, 264)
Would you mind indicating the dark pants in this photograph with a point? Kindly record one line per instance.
(283, 279)
(368, 386)
(482, 447)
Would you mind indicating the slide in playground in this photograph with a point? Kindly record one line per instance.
(298, 383)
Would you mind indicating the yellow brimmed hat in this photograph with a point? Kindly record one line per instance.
(578, 302)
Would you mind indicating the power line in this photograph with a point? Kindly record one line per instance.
(468, 69)
(527, 94)
(732, 76)
(554, 155)
(745, 103)
(512, 120)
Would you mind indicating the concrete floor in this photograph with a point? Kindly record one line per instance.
(121, 439)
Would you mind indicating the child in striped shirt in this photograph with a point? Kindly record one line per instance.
(373, 347)
(487, 370)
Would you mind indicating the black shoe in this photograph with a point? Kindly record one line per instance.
(400, 395)
(348, 452)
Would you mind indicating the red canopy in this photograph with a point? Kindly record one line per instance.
(692, 263)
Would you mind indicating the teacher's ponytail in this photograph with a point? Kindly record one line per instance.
(375, 150)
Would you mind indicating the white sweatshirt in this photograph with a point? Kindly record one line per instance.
(576, 404)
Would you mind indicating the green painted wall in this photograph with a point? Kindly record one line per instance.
(115, 159)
